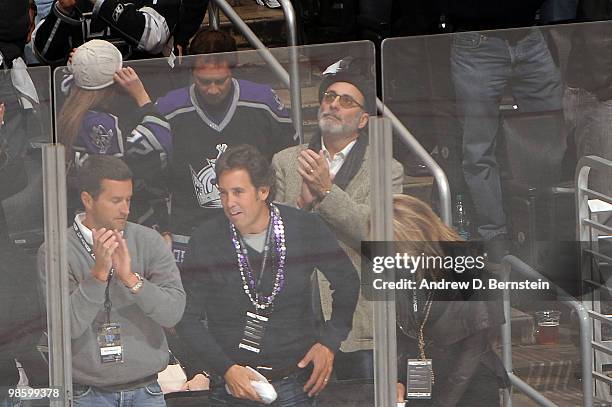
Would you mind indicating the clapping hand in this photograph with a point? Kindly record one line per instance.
(122, 262)
(104, 245)
(314, 169)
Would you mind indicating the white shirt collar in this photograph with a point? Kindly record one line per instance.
(78, 219)
(335, 162)
(341, 154)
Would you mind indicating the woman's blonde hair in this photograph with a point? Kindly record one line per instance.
(76, 105)
(417, 229)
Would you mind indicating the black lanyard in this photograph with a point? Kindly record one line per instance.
(107, 301)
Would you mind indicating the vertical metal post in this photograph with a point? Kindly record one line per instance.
(437, 171)
(586, 356)
(252, 38)
(213, 15)
(385, 345)
(56, 273)
(511, 263)
(587, 239)
(507, 335)
(294, 68)
(292, 79)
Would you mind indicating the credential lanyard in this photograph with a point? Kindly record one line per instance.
(266, 252)
(107, 301)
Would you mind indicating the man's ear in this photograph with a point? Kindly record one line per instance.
(87, 200)
(363, 120)
(263, 192)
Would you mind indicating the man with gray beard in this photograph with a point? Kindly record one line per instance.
(331, 177)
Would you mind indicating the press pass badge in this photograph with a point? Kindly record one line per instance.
(109, 340)
(419, 383)
(254, 331)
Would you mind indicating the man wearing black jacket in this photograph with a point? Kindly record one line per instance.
(250, 272)
(140, 29)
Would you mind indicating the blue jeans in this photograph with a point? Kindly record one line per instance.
(148, 396)
(289, 390)
(482, 65)
(43, 7)
(7, 402)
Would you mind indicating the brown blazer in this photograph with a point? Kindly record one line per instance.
(347, 214)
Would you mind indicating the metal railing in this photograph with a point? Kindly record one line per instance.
(423, 155)
(512, 263)
(291, 78)
(588, 229)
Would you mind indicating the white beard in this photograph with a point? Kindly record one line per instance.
(338, 128)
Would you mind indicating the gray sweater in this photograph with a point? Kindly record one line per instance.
(159, 303)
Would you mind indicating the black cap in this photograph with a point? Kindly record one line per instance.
(356, 72)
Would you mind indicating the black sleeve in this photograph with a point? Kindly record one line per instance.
(190, 20)
(57, 35)
(333, 262)
(471, 350)
(23, 318)
(285, 136)
(281, 126)
(9, 52)
(202, 350)
(147, 151)
(147, 31)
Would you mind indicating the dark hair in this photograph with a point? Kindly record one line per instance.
(208, 42)
(247, 157)
(100, 167)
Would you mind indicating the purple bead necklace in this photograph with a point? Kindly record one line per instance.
(262, 302)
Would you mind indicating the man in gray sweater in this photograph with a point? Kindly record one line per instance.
(124, 289)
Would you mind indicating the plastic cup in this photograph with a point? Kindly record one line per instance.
(547, 331)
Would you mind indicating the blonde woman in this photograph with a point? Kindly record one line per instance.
(456, 331)
(92, 121)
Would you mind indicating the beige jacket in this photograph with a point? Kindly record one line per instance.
(347, 214)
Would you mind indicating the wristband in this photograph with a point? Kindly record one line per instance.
(136, 287)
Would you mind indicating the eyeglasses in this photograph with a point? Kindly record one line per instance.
(345, 101)
(209, 82)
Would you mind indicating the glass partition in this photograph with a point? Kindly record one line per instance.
(225, 281)
(25, 126)
(507, 114)
(202, 108)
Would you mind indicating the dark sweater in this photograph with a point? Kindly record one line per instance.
(468, 15)
(14, 27)
(22, 317)
(214, 288)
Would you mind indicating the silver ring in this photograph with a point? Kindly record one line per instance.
(311, 170)
(325, 380)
